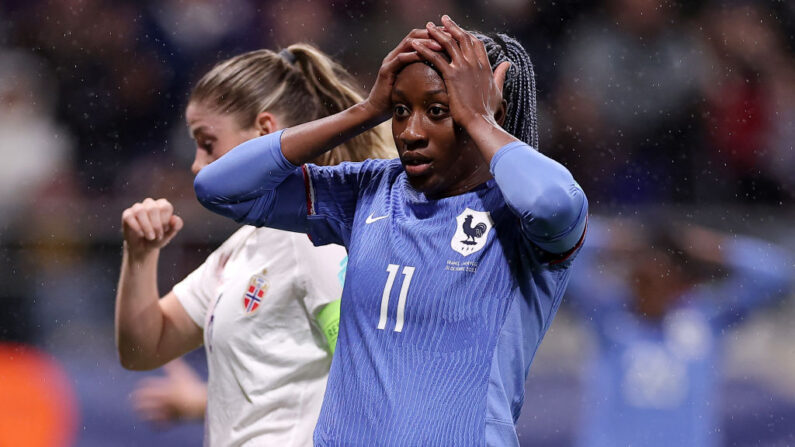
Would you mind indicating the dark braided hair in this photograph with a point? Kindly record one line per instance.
(519, 90)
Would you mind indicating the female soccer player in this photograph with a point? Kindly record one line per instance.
(459, 251)
(262, 300)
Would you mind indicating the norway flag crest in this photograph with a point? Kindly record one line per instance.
(257, 286)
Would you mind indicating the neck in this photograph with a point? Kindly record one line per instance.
(471, 181)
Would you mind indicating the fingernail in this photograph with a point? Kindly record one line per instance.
(430, 25)
(150, 236)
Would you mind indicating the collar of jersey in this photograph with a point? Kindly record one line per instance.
(414, 196)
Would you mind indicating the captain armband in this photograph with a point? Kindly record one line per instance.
(329, 321)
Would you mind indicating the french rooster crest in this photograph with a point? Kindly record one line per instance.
(472, 229)
(473, 233)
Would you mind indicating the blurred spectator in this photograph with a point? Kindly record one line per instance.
(67, 289)
(111, 77)
(33, 146)
(750, 95)
(200, 25)
(295, 21)
(625, 100)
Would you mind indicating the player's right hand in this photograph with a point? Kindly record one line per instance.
(149, 225)
(380, 98)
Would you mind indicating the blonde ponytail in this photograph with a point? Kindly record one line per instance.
(300, 86)
(335, 91)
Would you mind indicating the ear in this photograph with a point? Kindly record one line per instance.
(266, 123)
(499, 115)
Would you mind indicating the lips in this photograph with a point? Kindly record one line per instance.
(415, 163)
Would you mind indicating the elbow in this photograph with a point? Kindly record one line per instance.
(208, 193)
(545, 196)
(556, 211)
(133, 358)
(204, 191)
(131, 363)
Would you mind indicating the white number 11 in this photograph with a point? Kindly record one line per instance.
(408, 272)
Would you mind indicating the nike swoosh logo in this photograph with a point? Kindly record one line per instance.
(370, 219)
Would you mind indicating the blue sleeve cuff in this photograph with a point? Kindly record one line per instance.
(281, 161)
(764, 258)
(245, 172)
(570, 237)
(503, 151)
(273, 159)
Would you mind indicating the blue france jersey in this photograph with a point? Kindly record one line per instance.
(444, 306)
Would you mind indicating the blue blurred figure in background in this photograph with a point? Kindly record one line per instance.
(659, 300)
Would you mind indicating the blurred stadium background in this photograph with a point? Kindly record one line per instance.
(685, 108)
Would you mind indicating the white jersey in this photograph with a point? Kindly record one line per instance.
(255, 297)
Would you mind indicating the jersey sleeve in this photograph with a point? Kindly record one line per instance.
(197, 290)
(332, 193)
(550, 205)
(322, 273)
(255, 184)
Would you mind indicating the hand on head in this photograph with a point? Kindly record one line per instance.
(474, 90)
(402, 55)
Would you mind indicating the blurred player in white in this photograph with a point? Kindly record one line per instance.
(266, 303)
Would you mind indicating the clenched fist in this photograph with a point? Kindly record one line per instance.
(149, 225)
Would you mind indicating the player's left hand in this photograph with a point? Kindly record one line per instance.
(475, 91)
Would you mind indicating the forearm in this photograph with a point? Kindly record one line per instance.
(305, 142)
(488, 136)
(139, 319)
(542, 193)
